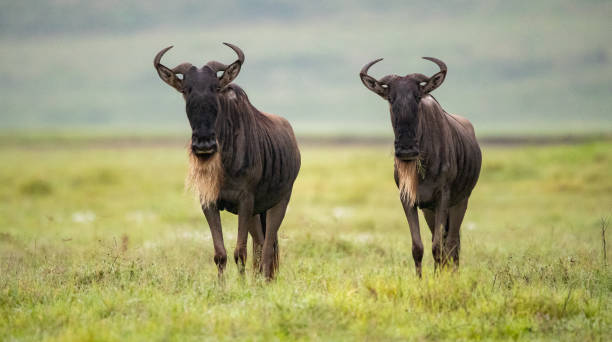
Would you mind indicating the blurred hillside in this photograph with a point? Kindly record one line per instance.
(526, 67)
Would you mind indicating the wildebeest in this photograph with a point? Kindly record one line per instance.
(241, 159)
(437, 159)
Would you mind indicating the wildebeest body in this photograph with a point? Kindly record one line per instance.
(449, 153)
(241, 160)
(258, 151)
(437, 159)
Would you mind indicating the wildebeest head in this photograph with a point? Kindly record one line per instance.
(201, 88)
(404, 94)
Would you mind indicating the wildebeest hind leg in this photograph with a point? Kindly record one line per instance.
(453, 240)
(257, 234)
(246, 223)
(214, 222)
(274, 218)
(441, 220)
(430, 218)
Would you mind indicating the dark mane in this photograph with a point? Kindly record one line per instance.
(256, 143)
(238, 126)
(431, 130)
(447, 145)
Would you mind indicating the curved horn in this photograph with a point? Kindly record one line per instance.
(372, 83)
(364, 70)
(440, 64)
(436, 80)
(218, 66)
(238, 52)
(167, 75)
(179, 69)
(159, 55)
(231, 71)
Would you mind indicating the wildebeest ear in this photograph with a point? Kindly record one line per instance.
(434, 82)
(170, 77)
(229, 74)
(375, 86)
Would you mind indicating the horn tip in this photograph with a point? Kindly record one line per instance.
(237, 50)
(157, 59)
(439, 62)
(364, 70)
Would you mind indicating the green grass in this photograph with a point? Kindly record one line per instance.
(103, 243)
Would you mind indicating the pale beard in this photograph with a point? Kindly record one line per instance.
(408, 177)
(205, 178)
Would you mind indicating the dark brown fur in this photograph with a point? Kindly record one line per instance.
(260, 161)
(450, 160)
(449, 153)
(241, 160)
(258, 151)
(437, 160)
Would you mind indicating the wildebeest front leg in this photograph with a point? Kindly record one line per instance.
(415, 231)
(441, 220)
(214, 222)
(453, 242)
(274, 218)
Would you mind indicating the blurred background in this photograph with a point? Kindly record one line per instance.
(99, 241)
(519, 68)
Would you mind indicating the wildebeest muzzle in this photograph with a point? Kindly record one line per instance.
(204, 147)
(406, 154)
(406, 146)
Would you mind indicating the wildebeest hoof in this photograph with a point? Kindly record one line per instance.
(220, 261)
(240, 259)
(419, 271)
(437, 254)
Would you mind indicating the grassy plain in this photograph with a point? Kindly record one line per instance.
(103, 244)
